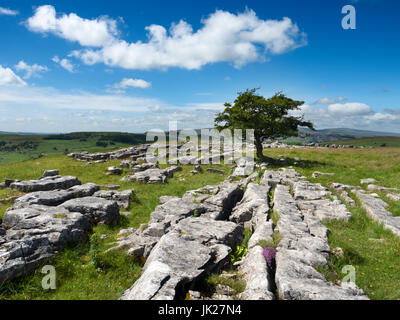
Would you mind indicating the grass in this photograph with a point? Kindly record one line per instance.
(377, 264)
(16, 148)
(77, 278)
(390, 142)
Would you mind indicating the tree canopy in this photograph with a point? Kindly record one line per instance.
(269, 118)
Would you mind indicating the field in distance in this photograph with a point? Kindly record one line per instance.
(390, 142)
(17, 147)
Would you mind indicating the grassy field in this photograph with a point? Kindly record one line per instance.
(377, 264)
(77, 277)
(17, 148)
(389, 142)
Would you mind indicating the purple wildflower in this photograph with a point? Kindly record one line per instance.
(269, 255)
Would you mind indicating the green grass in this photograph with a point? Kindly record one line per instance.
(377, 264)
(390, 142)
(16, 148)
(76, 278)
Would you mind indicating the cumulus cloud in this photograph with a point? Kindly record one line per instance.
(30, 71)
(9, 78)
(358, 116)
(93, 33)
(65, 63)
(134, 83)
(8, 12)
(350, 109)
(224, 37)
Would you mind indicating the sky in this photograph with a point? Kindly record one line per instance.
(134, 66)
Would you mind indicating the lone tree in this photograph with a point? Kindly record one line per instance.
(269, 118)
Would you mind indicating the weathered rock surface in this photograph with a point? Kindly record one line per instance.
(41, 223)
(379, 188)
(259, 283)
(55, 197)
(393, 196)
(311, 196)
(98, 210)
(153, 176)
(368, 181)
(119, 154)
(299, 252)
(255, 198)
(316, 174)
(122, 198)
(376, 209)
(195, 247)
(114, 171)
(46, 184)
(245, 167)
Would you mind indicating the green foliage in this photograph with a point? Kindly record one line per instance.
(240, 250)
(269, 118)
(94, 252)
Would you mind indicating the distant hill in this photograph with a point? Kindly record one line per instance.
(328, 135)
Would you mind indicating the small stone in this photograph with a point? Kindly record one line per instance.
(114, 171)
(103, 237)
(368, 181)
(338, 252)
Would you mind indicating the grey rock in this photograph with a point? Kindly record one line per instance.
(368, 181)
(263, 232)
(299, 252)
(114, 171)
(96, 209)
(379, 188)
(123, 198)
(50, 173)
(376, 209)
(46, 184)
(254, 197)
(393, 196)
(258, 277)
(153, 176)
(225, 200)
(181, 256)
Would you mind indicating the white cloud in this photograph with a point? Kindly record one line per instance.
(8, 12)
(30, 71)
(9, 78)
(224, 37)
(93, 33)
(349, 109)
(330, 100)
(134, 83)
(50, 98)
(65, 63)
(362, 117)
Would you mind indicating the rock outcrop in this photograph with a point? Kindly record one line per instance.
(41, 223)
(299, 252)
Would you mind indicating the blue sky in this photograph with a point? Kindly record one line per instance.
(134, 65)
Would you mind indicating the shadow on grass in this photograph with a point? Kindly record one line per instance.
(279, 163)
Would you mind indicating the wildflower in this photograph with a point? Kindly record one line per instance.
(269, 255)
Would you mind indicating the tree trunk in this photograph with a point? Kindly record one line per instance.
(259, 148)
